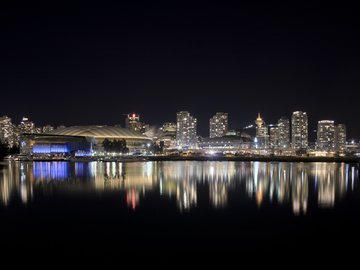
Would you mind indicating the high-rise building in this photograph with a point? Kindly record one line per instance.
(340, 137)
(274, 136)
(218, 125)
(132, 122)
(8, 131)
(299, 136)
(186, 130)
(326, 135)
(26, 126)
(284, 132)
(262, 137)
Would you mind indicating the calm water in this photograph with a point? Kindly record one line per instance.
(104, 208)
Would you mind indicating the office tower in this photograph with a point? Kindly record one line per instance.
(326, 136)
(274, 136)
(340, 137)
(262, 137)
(218, 125)
(186, 130)
(299, 136)
(284, 132)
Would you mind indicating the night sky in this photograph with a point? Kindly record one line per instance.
(77, 65)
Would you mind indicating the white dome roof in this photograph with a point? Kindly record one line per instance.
(100, 132)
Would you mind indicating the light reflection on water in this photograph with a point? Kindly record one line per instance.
(295, 184)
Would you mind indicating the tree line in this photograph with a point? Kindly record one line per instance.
(116, 146)
(5, 150)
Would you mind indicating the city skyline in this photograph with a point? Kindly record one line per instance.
(203, 131)
(173, 129)
(91, 65)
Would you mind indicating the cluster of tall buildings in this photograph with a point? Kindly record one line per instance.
(286, 134)
(330, 136)
(10, 132)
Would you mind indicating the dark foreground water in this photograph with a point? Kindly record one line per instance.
(111, 209)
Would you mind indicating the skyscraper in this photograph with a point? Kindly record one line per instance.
(218, 125)
(284, 132)
(340, 137)
(186, 130)
(326, 135)
(132, 122)
(274, 136)
(8, 131)
(262, 137)
(299, 136)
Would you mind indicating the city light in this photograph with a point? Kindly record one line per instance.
(284, 139)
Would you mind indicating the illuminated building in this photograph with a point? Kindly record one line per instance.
(169, 129)
(167, 137)
(262, 137)
(340, 137)
(8, 131)
(283, 132)
(132, 122)
(81, 140)
(228, 142)
(38, 130)
(299, 136)
(47, 129)
(326, 136)
(40, 144)
(232, 133)
(218, 125)
(26, 126)
(274, 136)
(353, 147)
(186, 130)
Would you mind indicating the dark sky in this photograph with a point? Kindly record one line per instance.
(89, 65)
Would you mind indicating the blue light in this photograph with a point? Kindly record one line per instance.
(51, 170)
(83, 154)
(52, 148)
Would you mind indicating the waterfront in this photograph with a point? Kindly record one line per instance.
(176, 205)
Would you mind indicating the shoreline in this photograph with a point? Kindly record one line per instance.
(204, 158)
(261, 159)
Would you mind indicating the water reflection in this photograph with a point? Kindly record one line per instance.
(296, 184)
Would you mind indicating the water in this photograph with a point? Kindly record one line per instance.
(104, 208)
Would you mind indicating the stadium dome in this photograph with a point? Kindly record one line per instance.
(99, 132)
